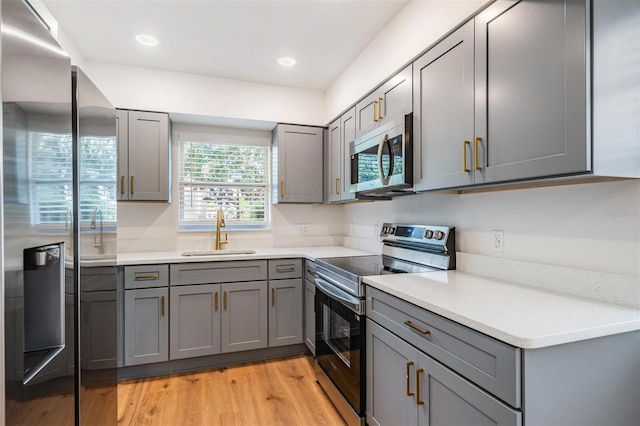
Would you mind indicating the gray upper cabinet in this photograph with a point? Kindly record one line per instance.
(391, 100)
(195, 320)
(146, 330)
(244, 322)
(499, 100)
(531, 90)
(144, 156)
(443, 109)
(339, 135)
(297, 164)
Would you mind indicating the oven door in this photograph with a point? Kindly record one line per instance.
(340, 332)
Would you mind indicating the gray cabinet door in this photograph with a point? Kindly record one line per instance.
(334, 160)
(195, 321)
(444, 398)
(298, 151)
(348, 135)
(531, 90)
(310, 315)
(244, 321)
(122, 135)
(285, 312)
(146, 331)
(99, 319)
(391, 100)
(391, 373)
(148, 156)
(444, 112)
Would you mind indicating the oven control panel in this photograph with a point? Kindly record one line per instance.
(419, 233)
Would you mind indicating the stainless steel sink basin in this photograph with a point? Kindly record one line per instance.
(217, 252)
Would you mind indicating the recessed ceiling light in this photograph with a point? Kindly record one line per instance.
(147, 40)
(286, 62)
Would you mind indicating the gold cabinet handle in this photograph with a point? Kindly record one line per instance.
(380, 116)
(162, 306)
(311, 272)
(475, 153)
(216, 301)
(409, 364)
(281, 189)
(146, 277)
(224, 301)
(416, 328)
(273, 297)
(122, 185)
(131, 186)
(375, 116)
(464, 156)
(419, 400)
(283, 269)
(337, 186)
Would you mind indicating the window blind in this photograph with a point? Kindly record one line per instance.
(232, 177)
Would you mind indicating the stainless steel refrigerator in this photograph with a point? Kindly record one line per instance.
(58, 232)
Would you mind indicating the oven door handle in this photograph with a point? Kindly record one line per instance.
(351, 302)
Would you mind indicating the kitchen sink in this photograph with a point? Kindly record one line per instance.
(217, 252)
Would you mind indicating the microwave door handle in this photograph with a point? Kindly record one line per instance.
(384, 177)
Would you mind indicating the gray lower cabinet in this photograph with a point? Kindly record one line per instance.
(195, 320)
(146, 330)
(405, 386)
(285, 312)
(99, 316)
(245, 316)
(310, 315)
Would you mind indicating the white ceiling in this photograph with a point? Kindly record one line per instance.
(237, 39)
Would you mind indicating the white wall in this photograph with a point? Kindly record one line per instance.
(418, 25)
(176, 92)
(594, 226)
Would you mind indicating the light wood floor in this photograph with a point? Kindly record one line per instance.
(279, 392)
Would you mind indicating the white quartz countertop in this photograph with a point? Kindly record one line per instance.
(525, 317)
(310, 253)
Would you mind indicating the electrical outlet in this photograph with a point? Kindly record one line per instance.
(497, 241)
(304, 229)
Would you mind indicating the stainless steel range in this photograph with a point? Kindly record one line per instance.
(340, 305)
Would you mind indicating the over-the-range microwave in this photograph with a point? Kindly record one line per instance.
(382, 160)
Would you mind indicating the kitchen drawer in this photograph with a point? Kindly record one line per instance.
(218, 272)
(146, 276)
(281, 269)
(310, 269)
(489, 363)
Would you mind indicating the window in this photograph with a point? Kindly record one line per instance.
(226, 171)
(51, 178)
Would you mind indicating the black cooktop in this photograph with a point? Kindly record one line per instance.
(358, 266)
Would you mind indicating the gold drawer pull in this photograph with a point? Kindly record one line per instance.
(337, 186)
(273, 297)
(122, 185)
(162, 306)
(375, 116)
(419, 400)
(146, 277)
(416, 328)
(409, 364)
(131, 186)
(380, 116)
(283, 269)
(224, 301)
(216, 301)
(281, 189)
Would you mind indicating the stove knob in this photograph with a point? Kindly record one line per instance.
(392, 230)
(439, 235)
(428, 234)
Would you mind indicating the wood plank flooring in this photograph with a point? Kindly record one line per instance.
(278, 392)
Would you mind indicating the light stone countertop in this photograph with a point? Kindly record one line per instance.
(522, 316)
(311, 253)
